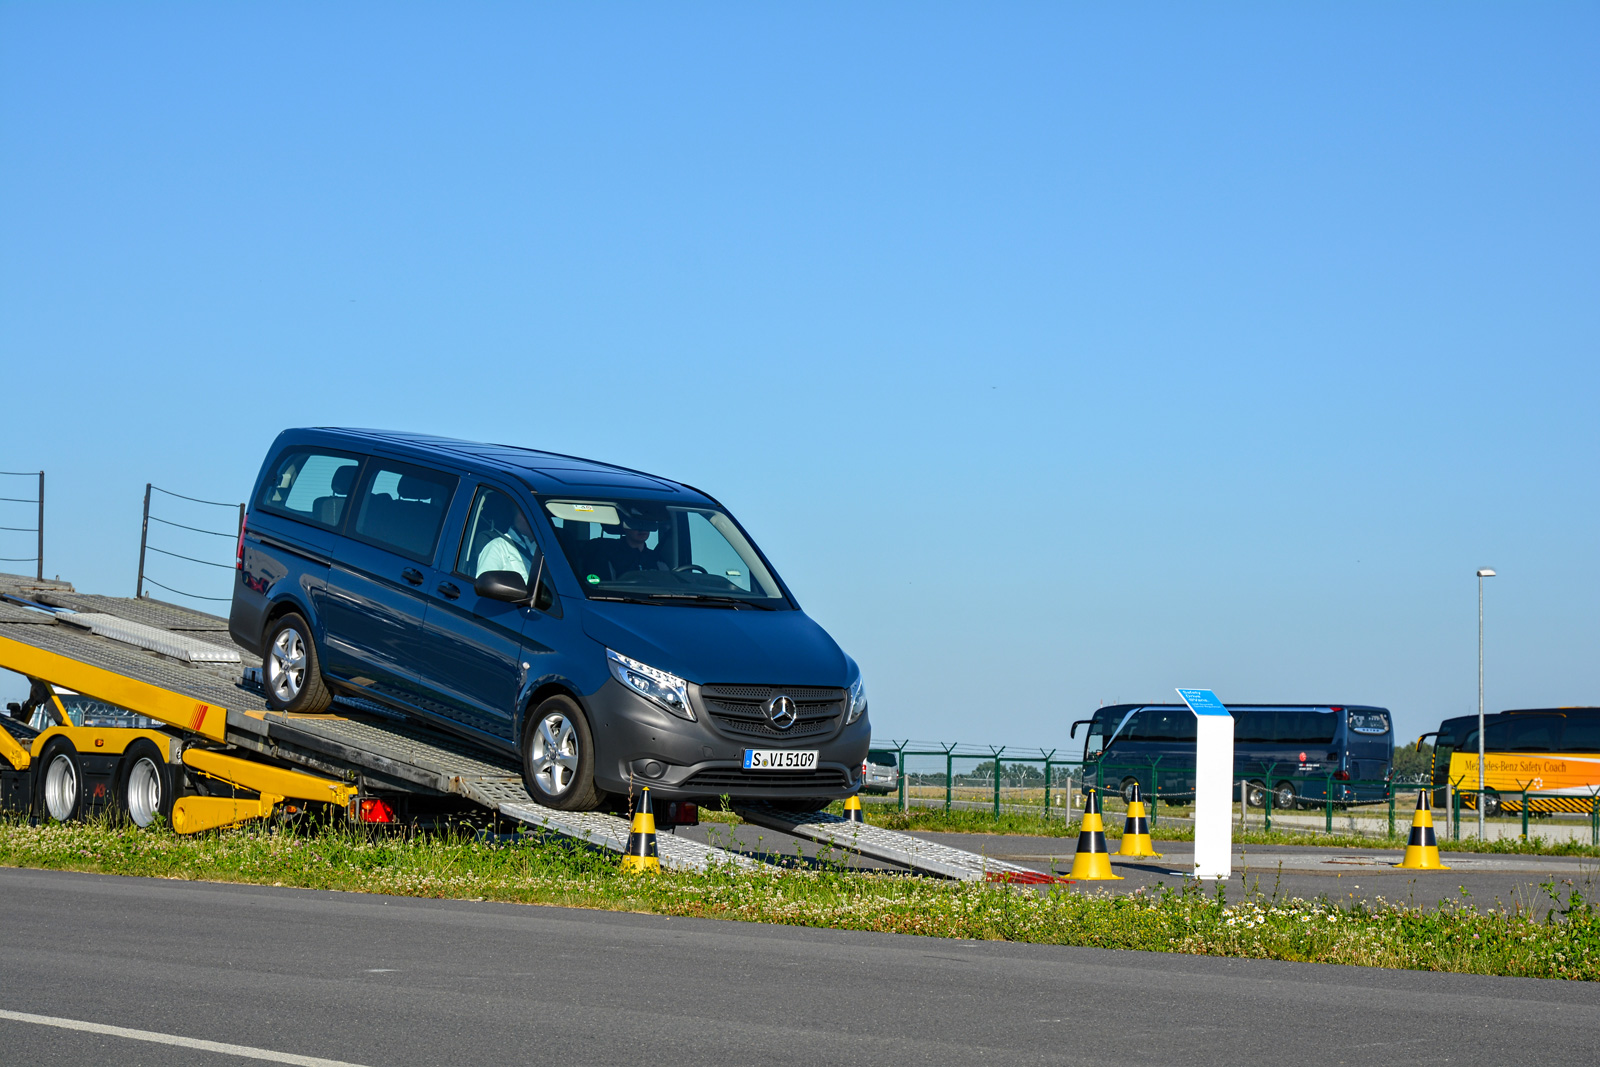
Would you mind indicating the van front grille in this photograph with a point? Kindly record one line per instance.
(738, 709)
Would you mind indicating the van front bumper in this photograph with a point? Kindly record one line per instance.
(639, 744)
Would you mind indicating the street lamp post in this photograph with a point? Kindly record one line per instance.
(1482, 574)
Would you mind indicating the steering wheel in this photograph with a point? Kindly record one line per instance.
(692, 568)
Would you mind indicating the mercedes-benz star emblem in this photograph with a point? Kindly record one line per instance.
(781, 712)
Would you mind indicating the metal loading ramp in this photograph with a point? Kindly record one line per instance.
(414, 755)
(891, 846)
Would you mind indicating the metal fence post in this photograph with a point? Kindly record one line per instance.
(39, 571)
(1455, 813)
(1155, 789)
(1391, 812)
(949, 765)
(997, 779)
(144, 538)
(1327, 803)
(1047, 787)
(900, 755)
(1594, 821)
(1524, 812)
(1266, 800)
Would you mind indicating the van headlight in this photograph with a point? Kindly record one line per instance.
(668, 690)
(858, 701)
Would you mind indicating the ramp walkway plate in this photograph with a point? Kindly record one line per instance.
(891, 846)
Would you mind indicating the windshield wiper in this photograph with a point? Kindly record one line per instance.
(625, 599)
(733, 600)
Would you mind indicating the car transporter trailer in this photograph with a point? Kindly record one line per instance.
(220, 756)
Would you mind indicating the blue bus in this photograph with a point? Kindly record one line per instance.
(1297, 751)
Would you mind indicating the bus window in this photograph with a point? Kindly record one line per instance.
(1369, 722)
(1095, 743)
(1524, 733)
(1166, 724)
(1582, 734)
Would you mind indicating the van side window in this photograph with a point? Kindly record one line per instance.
(401, 507)
(310, 486)
(497, 538)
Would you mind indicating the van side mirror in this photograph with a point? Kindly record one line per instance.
(1074, 731)
(501, 585)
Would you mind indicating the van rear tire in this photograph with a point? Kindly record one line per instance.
(291, 670)
(558, 757)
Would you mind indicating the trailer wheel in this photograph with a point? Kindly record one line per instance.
(145, 788)
(60, 795)
(558, 757)
(292, 676)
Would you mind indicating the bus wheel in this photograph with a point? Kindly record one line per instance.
(1491, 803)
(1128, 786)
(1255, 794)
(145, 791)
(60, 795)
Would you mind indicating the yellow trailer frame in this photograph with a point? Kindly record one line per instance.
(271, 785)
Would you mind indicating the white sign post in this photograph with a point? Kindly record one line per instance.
(1213, 784)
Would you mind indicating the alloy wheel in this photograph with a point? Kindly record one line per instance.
(554, 754)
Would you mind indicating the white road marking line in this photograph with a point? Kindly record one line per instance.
(242, 1051)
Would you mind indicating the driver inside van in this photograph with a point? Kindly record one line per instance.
(632, 552)
(512, 547)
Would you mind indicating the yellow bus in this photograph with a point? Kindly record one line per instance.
(1542, 750)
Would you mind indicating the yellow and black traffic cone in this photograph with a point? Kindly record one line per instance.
(852, 809)
(1092, 863)
(1136, 830)
(641, 855)
(1422, 851)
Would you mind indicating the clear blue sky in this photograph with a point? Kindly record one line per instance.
(1057, 354)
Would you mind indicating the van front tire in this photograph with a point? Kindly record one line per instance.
(291, 670)
(558, 757)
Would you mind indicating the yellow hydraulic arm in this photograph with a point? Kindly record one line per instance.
(192, 814)
(13, 753)
(174, 709)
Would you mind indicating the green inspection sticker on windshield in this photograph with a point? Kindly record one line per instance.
(593, 579)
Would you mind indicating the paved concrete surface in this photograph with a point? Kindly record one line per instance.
(380, 980)
(1485, 880)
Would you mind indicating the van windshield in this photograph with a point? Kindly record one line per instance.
(644, 550)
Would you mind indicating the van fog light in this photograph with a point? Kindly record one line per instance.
(668, 690)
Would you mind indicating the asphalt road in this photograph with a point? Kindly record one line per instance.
(1486, 880)
(284, 974)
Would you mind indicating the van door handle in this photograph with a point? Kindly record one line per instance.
(412, 575)
(449, 590)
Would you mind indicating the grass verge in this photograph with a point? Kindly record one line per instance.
(937, 820)
(1452, 937)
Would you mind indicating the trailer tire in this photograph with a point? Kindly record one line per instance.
(558, 757)
(291, 671)
(144, 785)
(1284, 797)
(59, 795)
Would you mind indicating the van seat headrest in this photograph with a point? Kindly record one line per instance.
(344, 479)
(413, 488)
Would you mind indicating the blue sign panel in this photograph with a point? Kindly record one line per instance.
(1202, 702)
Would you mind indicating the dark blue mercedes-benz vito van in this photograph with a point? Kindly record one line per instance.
(611, 628)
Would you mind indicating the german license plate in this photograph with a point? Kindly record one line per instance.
(779, 759)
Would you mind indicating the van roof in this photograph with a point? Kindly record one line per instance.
(543, 472)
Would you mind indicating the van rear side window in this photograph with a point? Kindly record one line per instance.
(401, 507)
(310, 486)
